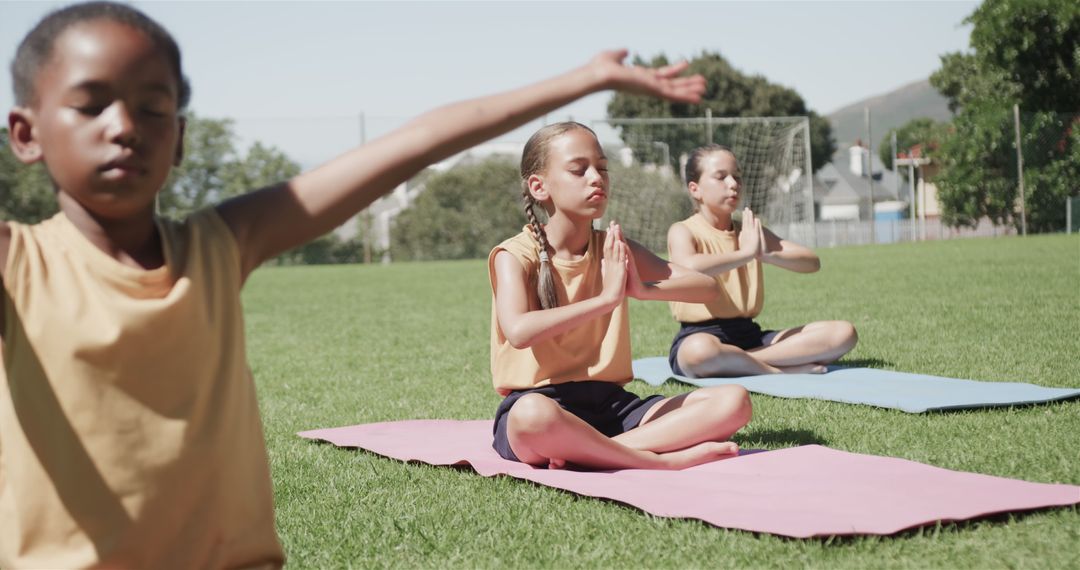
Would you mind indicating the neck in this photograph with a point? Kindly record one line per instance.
(132, 240)
(569, 238)
(720, 221)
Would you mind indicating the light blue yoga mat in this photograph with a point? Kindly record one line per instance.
(912, 393)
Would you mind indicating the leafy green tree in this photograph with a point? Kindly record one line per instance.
(646, 202)
(325, 250)
(1024, 52)
(26, 192)
(461, 213)
(199, 180)
(262, 166)
(729, 93)
(922, 131)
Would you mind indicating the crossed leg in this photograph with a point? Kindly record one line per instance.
(675, 433)
(804, 349)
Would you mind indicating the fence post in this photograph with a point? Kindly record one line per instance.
(708, 126)
(810, 181)
(870, 174)
(1020, 169)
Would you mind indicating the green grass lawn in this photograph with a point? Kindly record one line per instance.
(340, 345)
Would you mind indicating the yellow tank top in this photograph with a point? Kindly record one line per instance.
(597, 350)
(129, 430)
(742, 290)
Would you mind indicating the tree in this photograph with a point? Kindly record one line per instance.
(1024, 52)
(262, 166)
(26, 192)
(199, 180)
(461, 213)
(730, 93)
(922, 131)
(646, 202)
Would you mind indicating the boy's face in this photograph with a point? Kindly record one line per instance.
(105, 120)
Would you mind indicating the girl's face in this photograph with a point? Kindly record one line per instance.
(575, 179)
(105, 121)
(720, 185)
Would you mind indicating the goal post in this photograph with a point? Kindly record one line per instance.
(773, 154)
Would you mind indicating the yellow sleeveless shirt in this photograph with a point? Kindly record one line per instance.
(129, 430)
(742, 290)
(597, 350)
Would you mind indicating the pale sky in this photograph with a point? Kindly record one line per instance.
(298, 75)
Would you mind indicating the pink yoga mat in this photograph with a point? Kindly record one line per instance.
(799, 492)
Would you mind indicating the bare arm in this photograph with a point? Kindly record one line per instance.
(787, 254)
(651, 278)
(524, 328)
(683, 252)
(280, 217)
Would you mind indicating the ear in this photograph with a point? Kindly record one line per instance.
(693, 188)
(180, 142)
(21, 138)
(536, 188)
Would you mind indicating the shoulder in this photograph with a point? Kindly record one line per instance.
(522, 246)
(683, 231)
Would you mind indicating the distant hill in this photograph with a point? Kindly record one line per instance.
(888, 111)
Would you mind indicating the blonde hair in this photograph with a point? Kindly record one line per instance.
(534, 159)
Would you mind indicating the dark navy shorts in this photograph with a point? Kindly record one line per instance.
(742, 332)
(605, 406)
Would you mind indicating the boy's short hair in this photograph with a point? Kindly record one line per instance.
(37, 47)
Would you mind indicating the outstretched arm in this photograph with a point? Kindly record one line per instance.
(787, 254)
(280, 217)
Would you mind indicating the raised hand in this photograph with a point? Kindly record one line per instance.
(656, 81)
(750, 236)
(635, 287)
(763, 253)
(614, 264)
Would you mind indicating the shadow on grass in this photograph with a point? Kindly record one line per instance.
(774, 438)
(866, 363)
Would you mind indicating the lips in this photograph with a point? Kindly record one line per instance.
(597, 195)
(122, 167)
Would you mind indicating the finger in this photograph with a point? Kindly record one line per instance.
(673, 69)
(617, 55)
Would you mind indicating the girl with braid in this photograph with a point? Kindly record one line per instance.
(560, 339)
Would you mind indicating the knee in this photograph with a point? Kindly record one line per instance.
(732, 401)
(532, 414)
(698, 350)
(844, 335)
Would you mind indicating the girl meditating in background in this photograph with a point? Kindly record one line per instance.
(719, 337)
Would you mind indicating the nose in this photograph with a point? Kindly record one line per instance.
(595, 176)
(120, 126)
(734, 183)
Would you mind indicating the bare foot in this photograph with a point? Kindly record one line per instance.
(556, 464)
(700, 453)
(812, 368)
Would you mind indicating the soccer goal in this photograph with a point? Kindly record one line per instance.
(648, 192)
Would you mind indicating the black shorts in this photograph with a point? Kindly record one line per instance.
(605, 406)
(742, 332)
